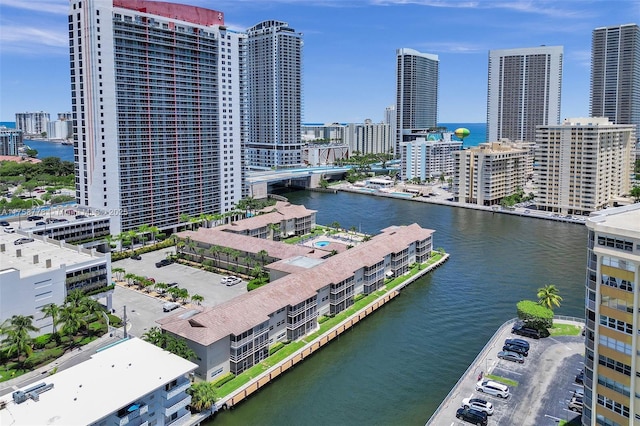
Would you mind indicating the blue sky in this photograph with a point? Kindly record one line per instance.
(349, 49)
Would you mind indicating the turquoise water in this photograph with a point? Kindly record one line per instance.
(477, 136)
(321, 243)
(402, 194)
(395, 367)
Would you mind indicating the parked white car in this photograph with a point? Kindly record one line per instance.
(478, 404)
(493, 388)
(232, 281)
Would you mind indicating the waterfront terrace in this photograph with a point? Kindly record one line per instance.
(235, 335)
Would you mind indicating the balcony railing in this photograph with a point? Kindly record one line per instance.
(182, 420)
(168, 395)
(178, 405)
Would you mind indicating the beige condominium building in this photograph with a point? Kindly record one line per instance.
(235, 335)
(486, 174)
(582, 164)
(612, 358)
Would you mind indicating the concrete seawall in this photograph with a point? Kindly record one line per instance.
(272, 373)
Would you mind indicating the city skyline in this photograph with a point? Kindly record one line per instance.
(349, 50)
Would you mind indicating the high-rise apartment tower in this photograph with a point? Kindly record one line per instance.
(416, 93)
(523, 91)
(615, 74)
(274, 65)
(612, 372)
(157, 97)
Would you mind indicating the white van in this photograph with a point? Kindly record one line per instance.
(493, 388)
(170, 306)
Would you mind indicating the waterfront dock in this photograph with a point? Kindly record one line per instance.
(443, 200)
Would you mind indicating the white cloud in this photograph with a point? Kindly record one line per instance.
(59, 7)
(33, 40)
(452, 47)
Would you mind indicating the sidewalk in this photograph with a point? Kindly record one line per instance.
(67, 360)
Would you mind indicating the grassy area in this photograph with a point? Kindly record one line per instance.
(565, 330)
(248, 375)
(501, 379)
(11, 374)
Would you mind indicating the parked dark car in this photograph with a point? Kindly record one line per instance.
(525, 331)
(511, 356)
(40, 223)
(163, 262)
(4, 223)
(580, 377)
(171, 285)
(81, 216)
(518, 342)
(517, 349)
(34, 218)
(136, 257)
(472, 416)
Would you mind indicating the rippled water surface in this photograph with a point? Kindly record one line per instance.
(397, 366)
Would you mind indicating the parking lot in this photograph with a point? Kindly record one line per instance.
(546, 382)
(144, 309)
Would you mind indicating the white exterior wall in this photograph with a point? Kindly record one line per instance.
(323, 300)
(278, 320)
(428, 158)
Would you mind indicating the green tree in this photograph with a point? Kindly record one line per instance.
(197, 298)
(535, 315)
(32, 153)
(52, 310)
(17, 340)
(635, 193)
(170, 343)
(548, 296)
(73, 319)
(203, 395)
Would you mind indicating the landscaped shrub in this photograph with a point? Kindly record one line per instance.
(535, 315)
(224, 380)
(41, 341)
(357, 297)
(275, 348)
(97, 327)
(322, 319)
(114, 321)
(42, 357)
(86, 340)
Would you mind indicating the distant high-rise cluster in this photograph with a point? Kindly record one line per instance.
(32, 123)
(524, 87)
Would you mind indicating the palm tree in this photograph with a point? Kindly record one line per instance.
(203, 395)
(72, 318)
(197, 298)
(263, 256)
(160, 287)
(52, 310)
(154, 231)
(548, 296)
(17, 340)
(129, 277)
(142, 230)
(119, 272)
(75, 299)
(214, 251)
(183, 294)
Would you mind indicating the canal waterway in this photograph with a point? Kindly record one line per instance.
(396, 367)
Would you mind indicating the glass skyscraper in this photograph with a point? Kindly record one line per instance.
(416, 94)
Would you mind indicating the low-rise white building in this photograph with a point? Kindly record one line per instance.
(36, 273)
(130, 383)
(428, 157)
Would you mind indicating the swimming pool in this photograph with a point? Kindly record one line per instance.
(402, 194)
(321, 243)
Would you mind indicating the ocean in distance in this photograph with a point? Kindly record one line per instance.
(65, 152)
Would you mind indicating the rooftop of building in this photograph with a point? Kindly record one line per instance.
(281, 211)
(250, 309)
(618, 220)
(22, 257)
(182, 12)
(107, 382)
(19, 159)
